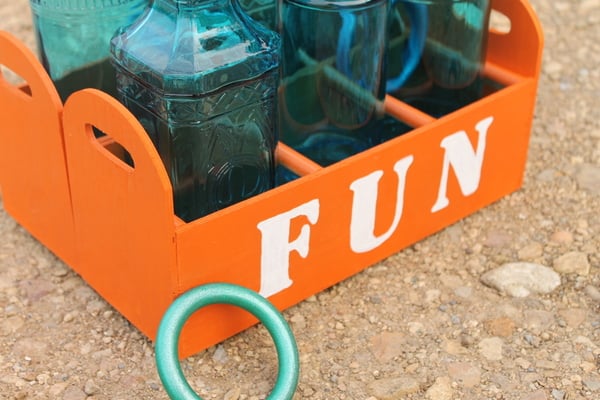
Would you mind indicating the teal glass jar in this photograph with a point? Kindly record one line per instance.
(263, 11)
(73, 38)
(201, 77)
(437, 52)
(332, 72)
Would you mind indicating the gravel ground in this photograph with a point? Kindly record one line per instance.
(456, 316)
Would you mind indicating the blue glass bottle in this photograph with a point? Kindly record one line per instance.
(263, 11)
(73, 38)
(437, 52)
(201, 77)
(333, 77)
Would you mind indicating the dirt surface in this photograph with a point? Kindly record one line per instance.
(419, 325)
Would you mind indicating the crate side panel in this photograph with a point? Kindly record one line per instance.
(33, 172)
(345, 229)
(123, 215)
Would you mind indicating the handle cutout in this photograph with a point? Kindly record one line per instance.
(12, 78)
(114, 150)
(499, 23)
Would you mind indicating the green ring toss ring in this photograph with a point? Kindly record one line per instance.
(169, 330)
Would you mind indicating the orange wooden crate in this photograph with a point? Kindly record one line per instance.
(114, 224)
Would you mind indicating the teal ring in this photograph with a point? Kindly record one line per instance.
(169, 330)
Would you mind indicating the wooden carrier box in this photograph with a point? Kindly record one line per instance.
(115, 226)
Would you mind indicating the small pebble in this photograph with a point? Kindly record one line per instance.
(538, 321)
(532, 340)
(467, 375)
(588, 178)
(593, 292)
(220, 355)
(432, 295)
(491, 348)
(387, 345)
(562, 237)
(574, 317)
(90, 388)
(440, 390)
(393, 388)
(153, 385)
(592, 384)
(573, 262)
(530, 252)
(521, 279)
(233, 394)
(502, 326)
(537, 395)
(73, 393)
(463, 291)
(298, 320)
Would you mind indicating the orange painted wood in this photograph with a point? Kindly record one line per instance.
(33, 172)
(125, 229)
(520, 50)
(114, 223)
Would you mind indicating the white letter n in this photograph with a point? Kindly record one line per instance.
(465, 162)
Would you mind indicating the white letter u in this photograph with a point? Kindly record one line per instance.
(364, 208)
